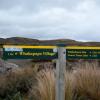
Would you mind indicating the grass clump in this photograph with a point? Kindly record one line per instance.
(69, 86)
(87, 82)
(81, 84)
(45, 89)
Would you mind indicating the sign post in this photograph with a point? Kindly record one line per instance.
(60, 69)
(49, 53)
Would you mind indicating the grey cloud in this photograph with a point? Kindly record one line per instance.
(49, 19)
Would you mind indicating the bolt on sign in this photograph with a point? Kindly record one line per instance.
(29, 52)
(49, 52)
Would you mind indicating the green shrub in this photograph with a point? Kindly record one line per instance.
(16, 96)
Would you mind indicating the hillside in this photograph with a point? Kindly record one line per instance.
(28, 41)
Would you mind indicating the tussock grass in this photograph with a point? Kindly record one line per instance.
(69, 86)
(87, 81)
(81, 84)
(45, 89)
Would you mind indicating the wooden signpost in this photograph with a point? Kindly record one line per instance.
(60, 69)
(60, 53)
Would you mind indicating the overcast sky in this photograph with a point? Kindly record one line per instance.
(50, 19)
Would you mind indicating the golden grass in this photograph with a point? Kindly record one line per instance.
(69, 86)
(82, 84)
(45, 89)
(87, 81)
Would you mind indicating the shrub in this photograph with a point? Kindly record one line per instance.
(17, 81)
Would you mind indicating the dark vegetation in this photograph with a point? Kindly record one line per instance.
(28, 41)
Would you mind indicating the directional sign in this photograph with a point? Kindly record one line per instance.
(76, 52)
(49, 52)
(29, 52)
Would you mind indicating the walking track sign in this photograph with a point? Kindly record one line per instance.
(29, 52)
(76, 52)
(60, 53)
(49, 52)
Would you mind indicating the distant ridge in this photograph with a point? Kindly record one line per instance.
(28, 41)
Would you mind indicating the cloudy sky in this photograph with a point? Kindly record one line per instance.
(50, 19)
